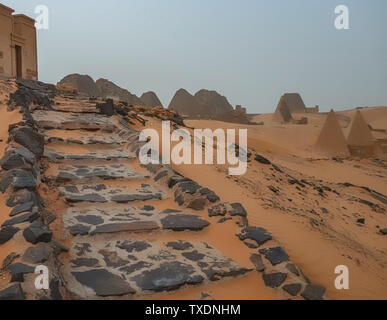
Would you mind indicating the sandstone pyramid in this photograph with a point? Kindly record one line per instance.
(83, 83)
(294, 102)
(360, 134)
(215, 104)
(282, 113)
(186, 104)
(150, 99)
(331, 140)
(110, 90)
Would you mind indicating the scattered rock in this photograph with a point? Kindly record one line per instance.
(169, 276)
(30, 217)
(104, 283)
(314, 292)
(259, 235)
(37, 232)
(14, 292)
(383, 231)
(21, 208)
(180, 245)
(237, 210)
(7, 234)
(361, 221)
(274, 280)
(275, 255)
(292, 289)
(262, 160)
(18, 179)
(30, 139)
(18, 270)
(182, 222)
(37, 255)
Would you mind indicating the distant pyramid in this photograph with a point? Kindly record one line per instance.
(150, 99)
(331, 140)
(360, 134)
(294, 102)
(282, 114)
(186, 104)
(83, 83)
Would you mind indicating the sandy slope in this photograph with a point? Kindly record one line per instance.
(316, 242)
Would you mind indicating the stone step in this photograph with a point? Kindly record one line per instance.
(101, 269)
(102, 194)
(72, 121)
(112, 154)
(95, 220)
(76, 108)
(84, 138)
(83, 173)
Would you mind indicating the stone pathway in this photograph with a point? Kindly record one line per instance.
(102, 203)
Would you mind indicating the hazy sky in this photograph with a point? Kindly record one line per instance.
(251, 51)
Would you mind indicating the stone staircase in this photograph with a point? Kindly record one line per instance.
(107, 211)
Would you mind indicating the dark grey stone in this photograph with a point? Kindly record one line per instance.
(237, 210)
(21, 208)
(12, 160)
(314, 292)
(169, 276)
(14, 292)
(275, 255)
(21, 196)
(7, 234)
(30, 217)
(135, 226)
(262, 160)
(193, 256)
(85, 262)
(259, 235)
(161, 175)
(37, 232)
(219, 210)
(79, 230)
(18, 179)
(125, 198)
(134, 246)
(18, 270)
(189, 187)
(172, 181)
(292, 289)
(30, 139)
(383, 231)
(104, 283)
(93, 197)
(38, 254)
(92, 220)
(179, 245)
(181, 222)
(274, 280)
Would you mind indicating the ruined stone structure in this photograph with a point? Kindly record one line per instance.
(18, 50)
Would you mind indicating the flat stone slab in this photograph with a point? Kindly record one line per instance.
(123, 218)
(102, 194)
(86, 173)
(72, 121)
(81, 108)
(86, 138)
(104, 269)
(114, 154)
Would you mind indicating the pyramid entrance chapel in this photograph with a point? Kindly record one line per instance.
(18, 48)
